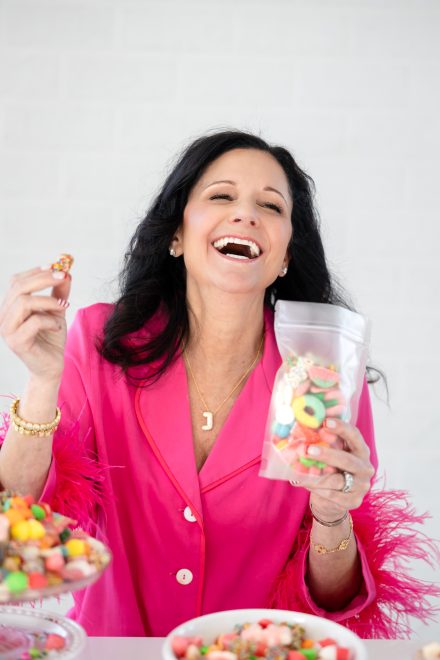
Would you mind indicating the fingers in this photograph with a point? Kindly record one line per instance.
(337, 498)
(42, 279)
(355, 459)
(36, 279)
(26, 273)
(351, 436)
(24, 338)
(62, 290)
(341, 460)
(330, 491)
(25, 305)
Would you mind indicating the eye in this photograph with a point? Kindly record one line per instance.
(223, 196)
(274, 207)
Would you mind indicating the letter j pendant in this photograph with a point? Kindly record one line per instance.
(209, 420)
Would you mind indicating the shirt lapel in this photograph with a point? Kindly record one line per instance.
(163, 412)
(240, 442)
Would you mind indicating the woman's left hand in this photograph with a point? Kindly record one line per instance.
(326, 497)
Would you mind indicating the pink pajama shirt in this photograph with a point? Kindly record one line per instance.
(184, 543)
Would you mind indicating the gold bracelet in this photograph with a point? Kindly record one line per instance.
(326, 523)
(29, 428)
(322, 550)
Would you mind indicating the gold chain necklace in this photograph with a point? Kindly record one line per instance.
(209, 414)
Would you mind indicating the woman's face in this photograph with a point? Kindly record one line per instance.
(237, 223)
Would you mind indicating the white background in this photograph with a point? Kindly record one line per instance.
(98, 97)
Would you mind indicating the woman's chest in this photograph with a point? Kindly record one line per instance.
(206, 425)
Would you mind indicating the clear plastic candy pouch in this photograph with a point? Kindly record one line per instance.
(324, 350)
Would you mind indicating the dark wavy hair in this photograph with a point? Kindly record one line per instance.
(150, 279)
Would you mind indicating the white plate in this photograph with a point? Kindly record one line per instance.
(211, 625)
(23, 619)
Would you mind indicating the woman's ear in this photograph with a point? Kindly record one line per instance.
(285, 265)
(176, 248)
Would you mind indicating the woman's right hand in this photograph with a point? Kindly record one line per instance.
(34, 326)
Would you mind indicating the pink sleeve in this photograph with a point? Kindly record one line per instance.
(386, 540)
(74, 481)
(76, 418)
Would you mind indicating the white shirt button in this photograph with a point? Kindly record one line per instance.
(188, 515)
(184, 576)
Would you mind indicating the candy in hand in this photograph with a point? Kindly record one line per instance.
(64, 263)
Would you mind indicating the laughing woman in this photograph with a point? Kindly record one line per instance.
(164, 397)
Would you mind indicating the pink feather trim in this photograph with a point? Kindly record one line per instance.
(385, 525)
(80, 477)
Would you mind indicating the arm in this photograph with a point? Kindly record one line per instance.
(25, 460)
(34, 328)
(71, 479)
(334, 579)
(387, 540)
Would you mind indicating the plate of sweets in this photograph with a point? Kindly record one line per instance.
(27, 633)
(262, 634)
(42, 554)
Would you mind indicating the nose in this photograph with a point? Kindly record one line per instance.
(245, 220)
(246, 214)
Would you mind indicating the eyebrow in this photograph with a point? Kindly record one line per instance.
(233, 183)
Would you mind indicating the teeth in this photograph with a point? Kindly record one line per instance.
(222, 242)
(236, 256)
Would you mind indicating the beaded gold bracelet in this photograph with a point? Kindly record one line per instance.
(343, 545)
(31, 428)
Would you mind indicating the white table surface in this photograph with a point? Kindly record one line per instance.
(144, 648)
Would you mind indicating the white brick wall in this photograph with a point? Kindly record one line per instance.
(97, 96)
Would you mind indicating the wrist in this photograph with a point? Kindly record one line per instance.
(38, 403)
(43, 383)
(327, 515)
(335, 522)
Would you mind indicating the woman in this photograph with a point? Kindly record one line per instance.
(164, 398)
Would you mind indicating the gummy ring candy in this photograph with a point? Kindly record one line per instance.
(323, 377)
(309, 411)
(305, 434)
(64, 263)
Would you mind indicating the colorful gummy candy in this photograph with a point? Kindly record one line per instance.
(265, 639)
(28, 644)
(64, 263)
(307, 394)
(41, 549)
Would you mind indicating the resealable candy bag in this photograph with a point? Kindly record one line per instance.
(324, 350)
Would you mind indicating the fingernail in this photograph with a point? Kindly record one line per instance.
(63, 303)
(330, 423)
(312, 450)
(59, 275)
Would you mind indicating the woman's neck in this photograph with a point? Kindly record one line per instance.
(225, 331)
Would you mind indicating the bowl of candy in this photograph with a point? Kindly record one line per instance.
(42, 553)
(257, 634)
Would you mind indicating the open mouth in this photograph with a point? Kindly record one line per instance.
(237, 248)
